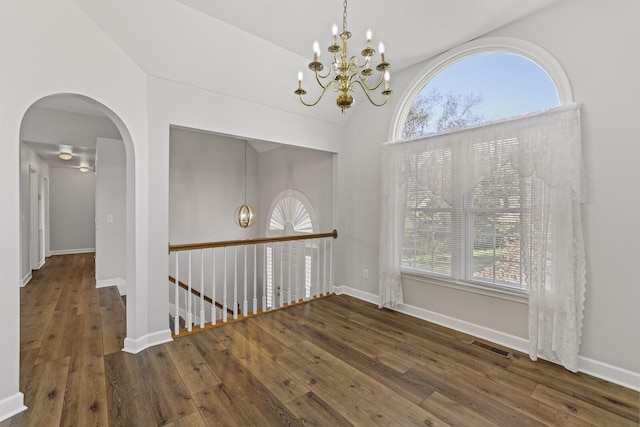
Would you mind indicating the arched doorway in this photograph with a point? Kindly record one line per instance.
(61, 124)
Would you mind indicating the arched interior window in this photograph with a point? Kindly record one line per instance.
(291, 213)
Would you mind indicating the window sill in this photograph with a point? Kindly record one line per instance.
(514, 295)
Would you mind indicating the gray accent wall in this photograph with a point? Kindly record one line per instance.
(72, 211)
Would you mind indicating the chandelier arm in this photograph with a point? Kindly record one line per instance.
(318, 77)
(324, 89)
(366, 92)
(363, 83)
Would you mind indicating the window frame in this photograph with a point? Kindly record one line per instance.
(558, 76)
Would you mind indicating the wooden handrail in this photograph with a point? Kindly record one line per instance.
(192, 246)
(206, 298)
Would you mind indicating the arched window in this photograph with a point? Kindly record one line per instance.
(496, 77)
(467, 198)
(291, 213)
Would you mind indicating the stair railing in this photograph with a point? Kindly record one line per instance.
(275, 271)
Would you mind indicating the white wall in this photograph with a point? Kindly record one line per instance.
(53, 48)
(206, 186)
(29, 158)
(179, 105)
(61, 127)
(111, 230)
(72, 211)
(590, 39)
(308, 171)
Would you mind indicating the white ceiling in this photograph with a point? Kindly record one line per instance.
(412, 30)
(154, 33)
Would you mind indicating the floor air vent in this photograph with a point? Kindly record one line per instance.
(497, 351)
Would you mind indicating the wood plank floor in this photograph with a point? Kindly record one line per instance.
(337, 361)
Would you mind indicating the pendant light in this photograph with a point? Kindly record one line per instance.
(244, 215)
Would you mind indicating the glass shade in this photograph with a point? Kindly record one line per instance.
(245, 216)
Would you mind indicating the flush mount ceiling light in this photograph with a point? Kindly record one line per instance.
(345, 71)
(65, 155)
(244, 215)
(84, 169)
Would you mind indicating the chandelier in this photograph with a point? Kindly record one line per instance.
(345, 72)
(245, 216)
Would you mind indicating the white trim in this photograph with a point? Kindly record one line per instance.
(610, 373)
(526, 49)
(504, 293)
(122, 286)
(105, 283)
(357, 293)
(119, 282)
(11, 405)
(135, 346)
(26, 279)
(73, 251)
(508, 340)
(586, 365)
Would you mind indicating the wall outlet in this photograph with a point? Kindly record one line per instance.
(365, 273)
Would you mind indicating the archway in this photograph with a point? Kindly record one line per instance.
(96, 114)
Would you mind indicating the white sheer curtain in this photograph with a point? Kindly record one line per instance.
(545, 147)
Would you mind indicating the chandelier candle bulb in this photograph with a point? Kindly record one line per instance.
(316, 50)
(381, 50)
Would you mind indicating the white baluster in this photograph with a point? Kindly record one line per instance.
(264, 277)
(176, 317)
(324, 270)
(318, 270)
(214, 315)
(224, 289)
(189, 299)
(202, 288)
(245, 308)
(235, 282)
(255, 279)
(281, 287)
(297, 287)
(330, 264)
(289, 262)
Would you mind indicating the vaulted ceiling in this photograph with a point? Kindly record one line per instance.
(252, 49)
(412, 30)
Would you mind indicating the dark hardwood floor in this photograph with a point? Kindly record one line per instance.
(336, 361)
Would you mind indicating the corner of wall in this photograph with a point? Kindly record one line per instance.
(11, 405)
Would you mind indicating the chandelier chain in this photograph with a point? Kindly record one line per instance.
(344, 17)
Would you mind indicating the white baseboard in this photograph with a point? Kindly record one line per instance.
(356, 293)
(155, 338)
(592, 367)
(118, 281)
(105, 283)
(11, 405)
(73, 251)
(26, 279)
